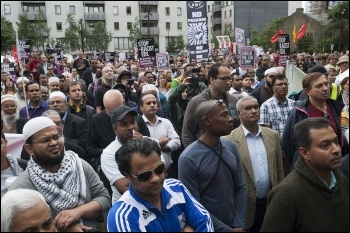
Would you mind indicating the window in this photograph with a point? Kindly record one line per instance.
(167, 10)
(225, 14)
(115, 10)
(129, 25)
(59, 26)
(122, 43)
(57, 9)
(179, 25)
(7, 9)
(230, 13)
(128, 10)
(179, 12)
(208, 8)
(167, 25)
(226, 3)
(116, 25)
(72, 10)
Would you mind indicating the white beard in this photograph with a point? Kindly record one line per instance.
(9, 120)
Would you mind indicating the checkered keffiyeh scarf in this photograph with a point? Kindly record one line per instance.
(65, 189)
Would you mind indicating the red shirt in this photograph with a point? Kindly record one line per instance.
(314, 112)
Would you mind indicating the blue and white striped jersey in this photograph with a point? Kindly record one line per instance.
(131, 213)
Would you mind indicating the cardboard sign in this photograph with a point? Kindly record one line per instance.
(108, 57)
(146, 52)
(247, 57)
(162, 61)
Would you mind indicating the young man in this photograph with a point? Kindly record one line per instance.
(212, 171)
(315, 196)
(152, 203)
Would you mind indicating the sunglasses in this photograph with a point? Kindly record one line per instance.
(146, 175)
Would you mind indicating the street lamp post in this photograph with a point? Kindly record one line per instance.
(81, 35)
(341, 28)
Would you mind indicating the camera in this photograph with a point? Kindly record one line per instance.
(194, 80)
(131, 81)
(196, 70)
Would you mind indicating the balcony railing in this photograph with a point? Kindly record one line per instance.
(217, 21)
(216, 8)
(31, 15)
(152, 30)
(33, 2)
(152, 16)
(152, 3)
(94, 2)
(95, 16)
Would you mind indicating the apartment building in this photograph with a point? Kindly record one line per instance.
(162, 20)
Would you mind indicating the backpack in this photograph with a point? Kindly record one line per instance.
(294, 95)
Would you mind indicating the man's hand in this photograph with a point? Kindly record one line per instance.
(66, 217)
(136, 135)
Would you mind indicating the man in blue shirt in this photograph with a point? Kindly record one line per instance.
(152, 204)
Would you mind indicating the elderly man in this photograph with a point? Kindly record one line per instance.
(212, 171)
(315, 196)
(261, 157)
(19, 96)
(11, 122)
(343, 64)
(24, 209)
(70, 186)
(36, 105)
(54, 84)
(75, 129)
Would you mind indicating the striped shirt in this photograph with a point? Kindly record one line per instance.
(131, 213)
(275, 114)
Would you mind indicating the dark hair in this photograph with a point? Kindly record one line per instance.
(309, 78)
(98, 74)
(61, 76)
(31, 83)
(143, 146)
(343, 82)
(73, 83)
(214, 70)
(277, 77)
(245, 76)
(143, 94)
(3, 135)
(301, 133)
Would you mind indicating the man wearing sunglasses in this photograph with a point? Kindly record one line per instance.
(153, 203)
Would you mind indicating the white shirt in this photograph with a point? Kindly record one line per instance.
(164, 128)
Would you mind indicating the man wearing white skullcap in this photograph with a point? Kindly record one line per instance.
(70, 186)
(75, 129)
(265, 92)
(54, 84)
(10, 120)
(19, 96)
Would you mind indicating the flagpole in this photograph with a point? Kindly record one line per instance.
(21, 70)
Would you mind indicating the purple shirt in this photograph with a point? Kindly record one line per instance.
(34, 112)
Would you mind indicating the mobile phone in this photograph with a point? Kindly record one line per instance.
(194, 80)
(131, 81)
(196, 70)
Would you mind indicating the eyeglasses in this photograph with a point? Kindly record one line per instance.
(44, 93)
(146, 175)
(92, 63)
(219, 102)
(225, 79)
(49, 139)
(9, 106)
(56, 102)
(49, 69)
(282, 84)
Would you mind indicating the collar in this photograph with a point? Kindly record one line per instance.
(64, 118)
(332, 182)
(146, 120)
(42, 104)
(246, 132)
(278, 102)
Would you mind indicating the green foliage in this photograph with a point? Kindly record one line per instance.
(40, 27)
(305, 44)
(26, 30)
(263, 37)
(8, 36)
(72, 36)
(228, 31)
(216, 42)
(180, 43)
(99, 38)
(135, 33)
(172, 47)
(177, 45)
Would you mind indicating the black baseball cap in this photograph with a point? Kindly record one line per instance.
(115, 87)
(319, 69)
(120, 112)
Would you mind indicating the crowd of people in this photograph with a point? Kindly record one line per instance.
(203, 146)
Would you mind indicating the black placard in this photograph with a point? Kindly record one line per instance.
(197, 30)
(146, 52)
(108, 57)
(247, 57)
(284, 46)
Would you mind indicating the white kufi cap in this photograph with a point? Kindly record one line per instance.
(57, 94)
(35, 125)
(54, 80)
(269, 71)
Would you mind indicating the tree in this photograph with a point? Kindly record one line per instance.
(8, 36)
(171, 48)
(135, 33)
(228, 31)
(40, 26)
(305, 44)
(71, 34)
(26, 30)
(180, 43)
(99, 38)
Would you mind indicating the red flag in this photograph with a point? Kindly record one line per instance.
(301, 32)
(274, 39)
(14, 53)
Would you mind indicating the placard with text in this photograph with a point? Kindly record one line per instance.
(146, 53)
(247, 57)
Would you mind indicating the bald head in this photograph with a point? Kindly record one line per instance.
(112, 99)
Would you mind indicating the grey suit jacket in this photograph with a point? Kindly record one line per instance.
(272, 143)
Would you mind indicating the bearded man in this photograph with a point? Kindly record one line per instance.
(10, 120)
